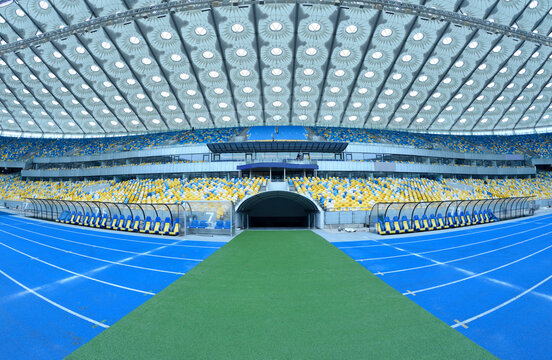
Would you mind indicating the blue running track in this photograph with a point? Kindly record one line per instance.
(62, 285)
(492, 283)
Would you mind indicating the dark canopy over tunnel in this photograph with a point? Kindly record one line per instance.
(277, 209)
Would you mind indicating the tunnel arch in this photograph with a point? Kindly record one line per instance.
(278, 209)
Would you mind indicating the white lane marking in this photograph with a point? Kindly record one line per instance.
(408, 253)
(95, 258)
(473, 318)
(101, 247)
(484, 272)
(77, 274)
(464, 233)
(89, 232)
(61, 307)
(458, 259)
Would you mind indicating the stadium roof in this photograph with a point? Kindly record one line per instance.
(96, 67)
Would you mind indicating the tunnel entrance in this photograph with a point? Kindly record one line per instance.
(281, 209)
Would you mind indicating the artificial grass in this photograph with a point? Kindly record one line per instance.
(280, 295)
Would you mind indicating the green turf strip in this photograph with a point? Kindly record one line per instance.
(280, 295)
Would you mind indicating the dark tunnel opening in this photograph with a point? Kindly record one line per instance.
(278, 209)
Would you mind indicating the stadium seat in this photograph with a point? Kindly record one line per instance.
(113, 223)
(203, 224)
(103, 222)
(194, 224)
(147, 225)
(135, 225)
(397, 226)
(426, 224)
(165, 226)
(86, 219)
(406, 224)
(433, 222)
(442, 223)
(227, 225)
(175, 229)
(418, 225)
(468, 218)
(452, 220)
(156, 226)
(64, 214)
(126, 224)
(76, 220)
(219, 224)
(387, 226)
(379, 228)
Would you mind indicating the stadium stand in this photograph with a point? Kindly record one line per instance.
(132, 191)
(538, 145)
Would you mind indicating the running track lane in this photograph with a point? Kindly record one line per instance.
(491, 283)
(60, 286)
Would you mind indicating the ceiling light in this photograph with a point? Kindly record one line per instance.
(146, 61)
(328, 117)
(249, 104)
(167, 35)
(418, 36)
(447, 40)
(307, 89)
(114, 123)
(106, 45)
(339, 73)
(241, 52)
(247, 90)
(308, 72)
(197, 106)
(226, 118)
(134, 40)
(200, 30)
(155, 121)
(276, 72)
(208, 54)
(276, 89)
(331, 103)
(304, 103)
(345, 53)
(245, 72)
(397, 76)
(334, 89)
(176, 57)
(351, 29)
(251, 117)
(275, 26)
(156, 78)
(314, 27)
(440, 120)
(406, 58)
(376, 118)
(237, 28)
(276, 51)
(364, 90)
(369, 74)
(377, 55)
(386, 32)
(214, 74)
(473, 44)
(353, 118)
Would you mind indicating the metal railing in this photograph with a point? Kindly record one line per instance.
(503, 208)
(210, 212)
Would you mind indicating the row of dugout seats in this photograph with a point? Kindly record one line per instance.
(403, 225)
(203, 224)
(166, 227)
